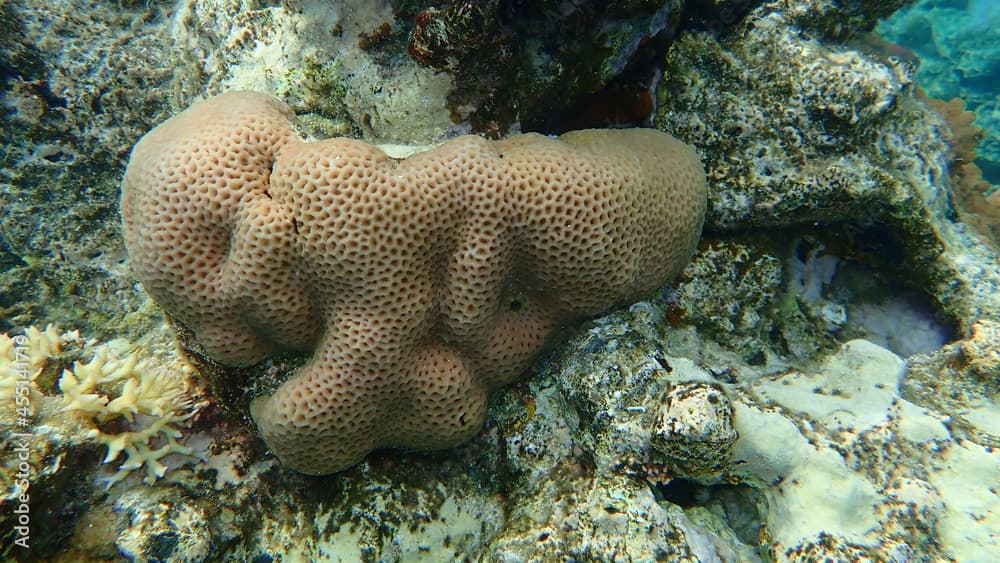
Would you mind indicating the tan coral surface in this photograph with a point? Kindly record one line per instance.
(418, 285)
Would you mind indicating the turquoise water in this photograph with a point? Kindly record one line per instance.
(957, 43)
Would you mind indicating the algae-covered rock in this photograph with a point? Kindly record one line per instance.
(795, 428)
(694, 427)
(72, 105)
(797, 131)
(531, 62)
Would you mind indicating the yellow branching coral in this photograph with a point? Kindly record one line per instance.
(125, 398)
(22, 358)
(152, 400)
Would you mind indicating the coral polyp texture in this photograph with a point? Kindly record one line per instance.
(417, 285)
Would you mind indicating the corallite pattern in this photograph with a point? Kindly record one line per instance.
(417, 285)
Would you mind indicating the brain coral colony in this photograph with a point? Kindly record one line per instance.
(416, 285)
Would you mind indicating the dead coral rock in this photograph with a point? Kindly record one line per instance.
(982, 351)
(530, 62)
(417, 285)
(695, 427)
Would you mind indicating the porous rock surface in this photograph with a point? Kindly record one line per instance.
(417, 285)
